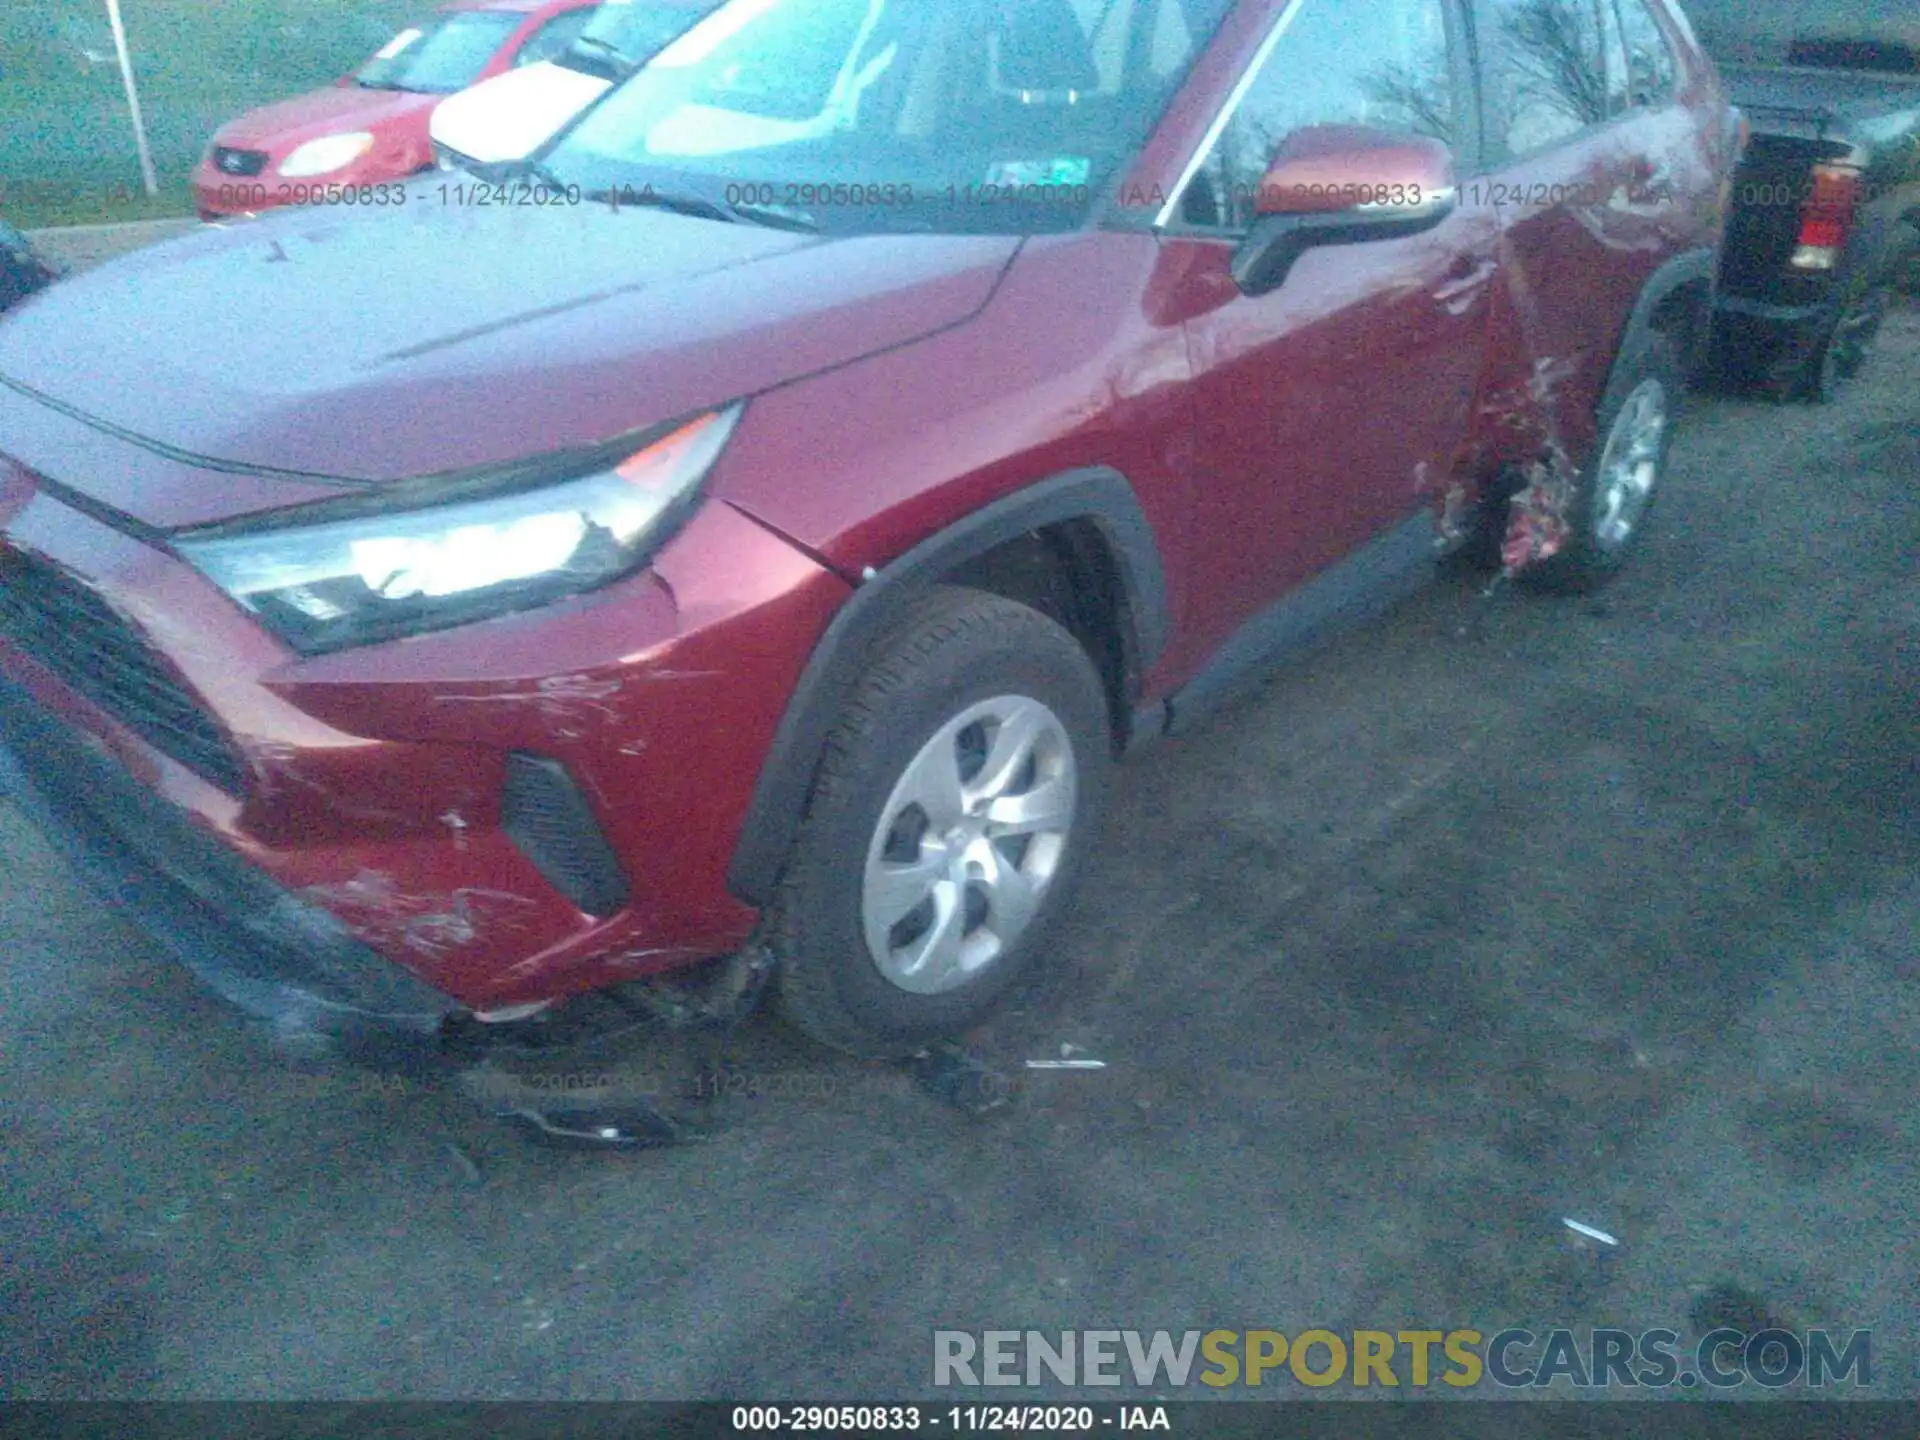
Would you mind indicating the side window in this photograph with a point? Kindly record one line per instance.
(554, 36)
(1652, 75)
(1380, 63)
(1545, 72)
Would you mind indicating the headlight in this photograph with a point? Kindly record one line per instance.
(326, 584)
(327, 154)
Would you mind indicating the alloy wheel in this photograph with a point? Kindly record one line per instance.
(1630, 464)
(968, 844)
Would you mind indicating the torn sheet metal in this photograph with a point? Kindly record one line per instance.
(1538, 521)
(1539, 515)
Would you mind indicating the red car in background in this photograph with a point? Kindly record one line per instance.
(370, 127)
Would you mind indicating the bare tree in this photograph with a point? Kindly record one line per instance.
(1551, 55)
(1424, 107)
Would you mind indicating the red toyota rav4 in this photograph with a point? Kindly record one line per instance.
(745, 546)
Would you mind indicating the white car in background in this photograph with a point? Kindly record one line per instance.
(508, 117)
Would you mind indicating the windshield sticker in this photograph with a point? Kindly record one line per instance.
(1067, 170)
(398, 43)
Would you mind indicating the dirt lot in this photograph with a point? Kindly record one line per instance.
(1496, 913)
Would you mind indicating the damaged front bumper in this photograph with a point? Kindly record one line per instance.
(279, 958)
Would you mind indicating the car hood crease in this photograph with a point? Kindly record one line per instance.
(447, 336)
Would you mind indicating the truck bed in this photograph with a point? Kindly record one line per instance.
(1817, 104)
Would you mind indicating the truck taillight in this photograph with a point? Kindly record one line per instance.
(1826, 217)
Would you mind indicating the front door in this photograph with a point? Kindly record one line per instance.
(1330, 409)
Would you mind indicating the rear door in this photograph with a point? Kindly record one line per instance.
(1329, 409)
(1586, 156)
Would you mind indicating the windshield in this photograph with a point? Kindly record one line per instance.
(627, 34)
(443, 55)
(975, 116)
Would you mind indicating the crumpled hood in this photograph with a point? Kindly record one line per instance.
(439, 337)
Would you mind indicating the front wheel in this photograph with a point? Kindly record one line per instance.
(948, 822)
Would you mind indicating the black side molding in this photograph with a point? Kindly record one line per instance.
(1097, 495)
(1367, 582)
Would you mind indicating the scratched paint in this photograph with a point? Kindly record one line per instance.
(277, 774)
(573, 706)
(374, 907)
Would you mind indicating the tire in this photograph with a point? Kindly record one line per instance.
(1620, 483)
(1819, 376)
(892, 934)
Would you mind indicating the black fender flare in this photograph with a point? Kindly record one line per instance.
(1097, 495)
(1700, 265)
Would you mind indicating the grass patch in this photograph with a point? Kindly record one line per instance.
(66, 142)
(32, 208)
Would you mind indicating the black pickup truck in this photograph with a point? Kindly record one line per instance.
(1825, 223)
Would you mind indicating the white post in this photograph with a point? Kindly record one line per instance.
(133, 98)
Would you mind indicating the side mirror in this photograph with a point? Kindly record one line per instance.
(1341, 185)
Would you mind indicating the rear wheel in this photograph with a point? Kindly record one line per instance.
(1821, 376)
(949, 819)
(1611, 499)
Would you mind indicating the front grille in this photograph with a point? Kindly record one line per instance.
(546, 816)
(244, 163)
(88, 644)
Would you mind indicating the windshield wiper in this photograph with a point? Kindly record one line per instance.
(703, 207)
(537, 171)
(779, 217)
(680, 202)
(605, 47)
(590, 55)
